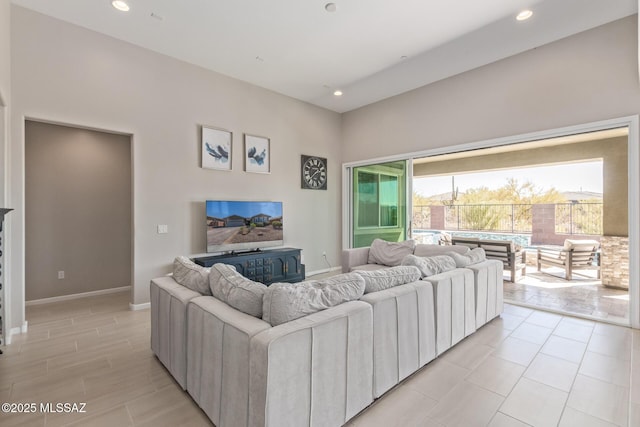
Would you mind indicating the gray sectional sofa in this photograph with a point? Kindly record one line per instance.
(319, 368)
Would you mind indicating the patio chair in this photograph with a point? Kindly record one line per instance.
(574, 255)
(513, 258)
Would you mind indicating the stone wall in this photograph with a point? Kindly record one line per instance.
(615, 261)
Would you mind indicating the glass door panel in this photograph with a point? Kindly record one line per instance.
(379, 203)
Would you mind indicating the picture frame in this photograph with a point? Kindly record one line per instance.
(257, 154)
(217, 148)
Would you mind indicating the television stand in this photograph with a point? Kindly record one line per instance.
(264, 266)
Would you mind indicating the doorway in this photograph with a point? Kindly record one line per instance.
(78, 212)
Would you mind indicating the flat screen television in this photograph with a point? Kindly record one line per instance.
(243, 225)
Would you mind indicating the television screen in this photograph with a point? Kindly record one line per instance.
(237, 225)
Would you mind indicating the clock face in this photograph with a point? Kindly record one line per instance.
(314, 173)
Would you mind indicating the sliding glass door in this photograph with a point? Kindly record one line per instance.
(379, 203)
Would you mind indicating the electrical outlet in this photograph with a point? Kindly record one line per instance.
(61, 274)
(163, 229)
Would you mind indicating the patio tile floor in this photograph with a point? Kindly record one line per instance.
(584, 295)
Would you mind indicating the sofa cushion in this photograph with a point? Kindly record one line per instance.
(474, 256)
(390, 253)
(233, 288)
(288, 301)
(424, 250)
(430, 266)
(191, 275)
(378, 280)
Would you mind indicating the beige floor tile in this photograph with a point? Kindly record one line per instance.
(618, 346)
(509, 321)
(602, 400)
(542, 318)
(185, 414)
(437, 379)
(606, 368)
(612, 330)
(579, 321)
(466, 405)
(573, 418)
(532, 333)
(491, 335)
(468, 353)
(534, 403)
(496, 375)
(574, 331)
(502, 420)
(153, 404)
(402, 406)
(113, 417)
(552, 371)
(22, 420)
(517, 351)
(517, 310)
(564, 348)
(45, 388)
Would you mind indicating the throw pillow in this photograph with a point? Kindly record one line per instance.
(424, 250)
(378, 280)
(288, 301)
(430, 266)
(234, 289)
(390, 253)
(474, 256)
(191, 275)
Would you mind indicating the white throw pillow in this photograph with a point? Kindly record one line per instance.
(378, 280)
(424, 250)
(284, 302)
(234, 289)
(474, 256)
(191, 275)
(431, 266)
(390, 253)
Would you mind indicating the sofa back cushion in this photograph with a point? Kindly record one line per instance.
(424, 250)
(191, 275)
(390, 253)
(233, 288)
(430, 266)
(474, 256)
(288, 301)
(378, 280)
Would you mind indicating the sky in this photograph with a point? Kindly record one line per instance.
(223, 209)
(585, 176)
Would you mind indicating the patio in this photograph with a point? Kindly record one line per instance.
(584, 295)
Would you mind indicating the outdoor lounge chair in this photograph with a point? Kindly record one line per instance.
(574, 255)
(513, 258)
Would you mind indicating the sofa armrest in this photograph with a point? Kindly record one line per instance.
(169, 301)
(354, 257)
(318, 367)
(218, 359)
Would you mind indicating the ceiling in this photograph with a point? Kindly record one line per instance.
(369, 49)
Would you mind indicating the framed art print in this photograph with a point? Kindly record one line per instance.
(257, 156)
(216, 148)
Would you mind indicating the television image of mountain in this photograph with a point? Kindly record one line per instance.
(243, 225)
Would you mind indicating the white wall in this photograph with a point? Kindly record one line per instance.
(68, 74)
(584, 78)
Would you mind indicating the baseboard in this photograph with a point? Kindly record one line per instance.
(323, 271)
(136, 307)
(16, 331)
(76, 296)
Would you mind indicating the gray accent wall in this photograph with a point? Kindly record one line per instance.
(77, 210)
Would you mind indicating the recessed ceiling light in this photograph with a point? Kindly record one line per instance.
(524, 15)
(121, 5)
(338, 92)
(330, 7)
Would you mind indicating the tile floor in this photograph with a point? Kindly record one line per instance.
(584, 295)
(525, 368)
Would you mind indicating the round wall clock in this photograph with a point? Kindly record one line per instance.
(314, 172)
